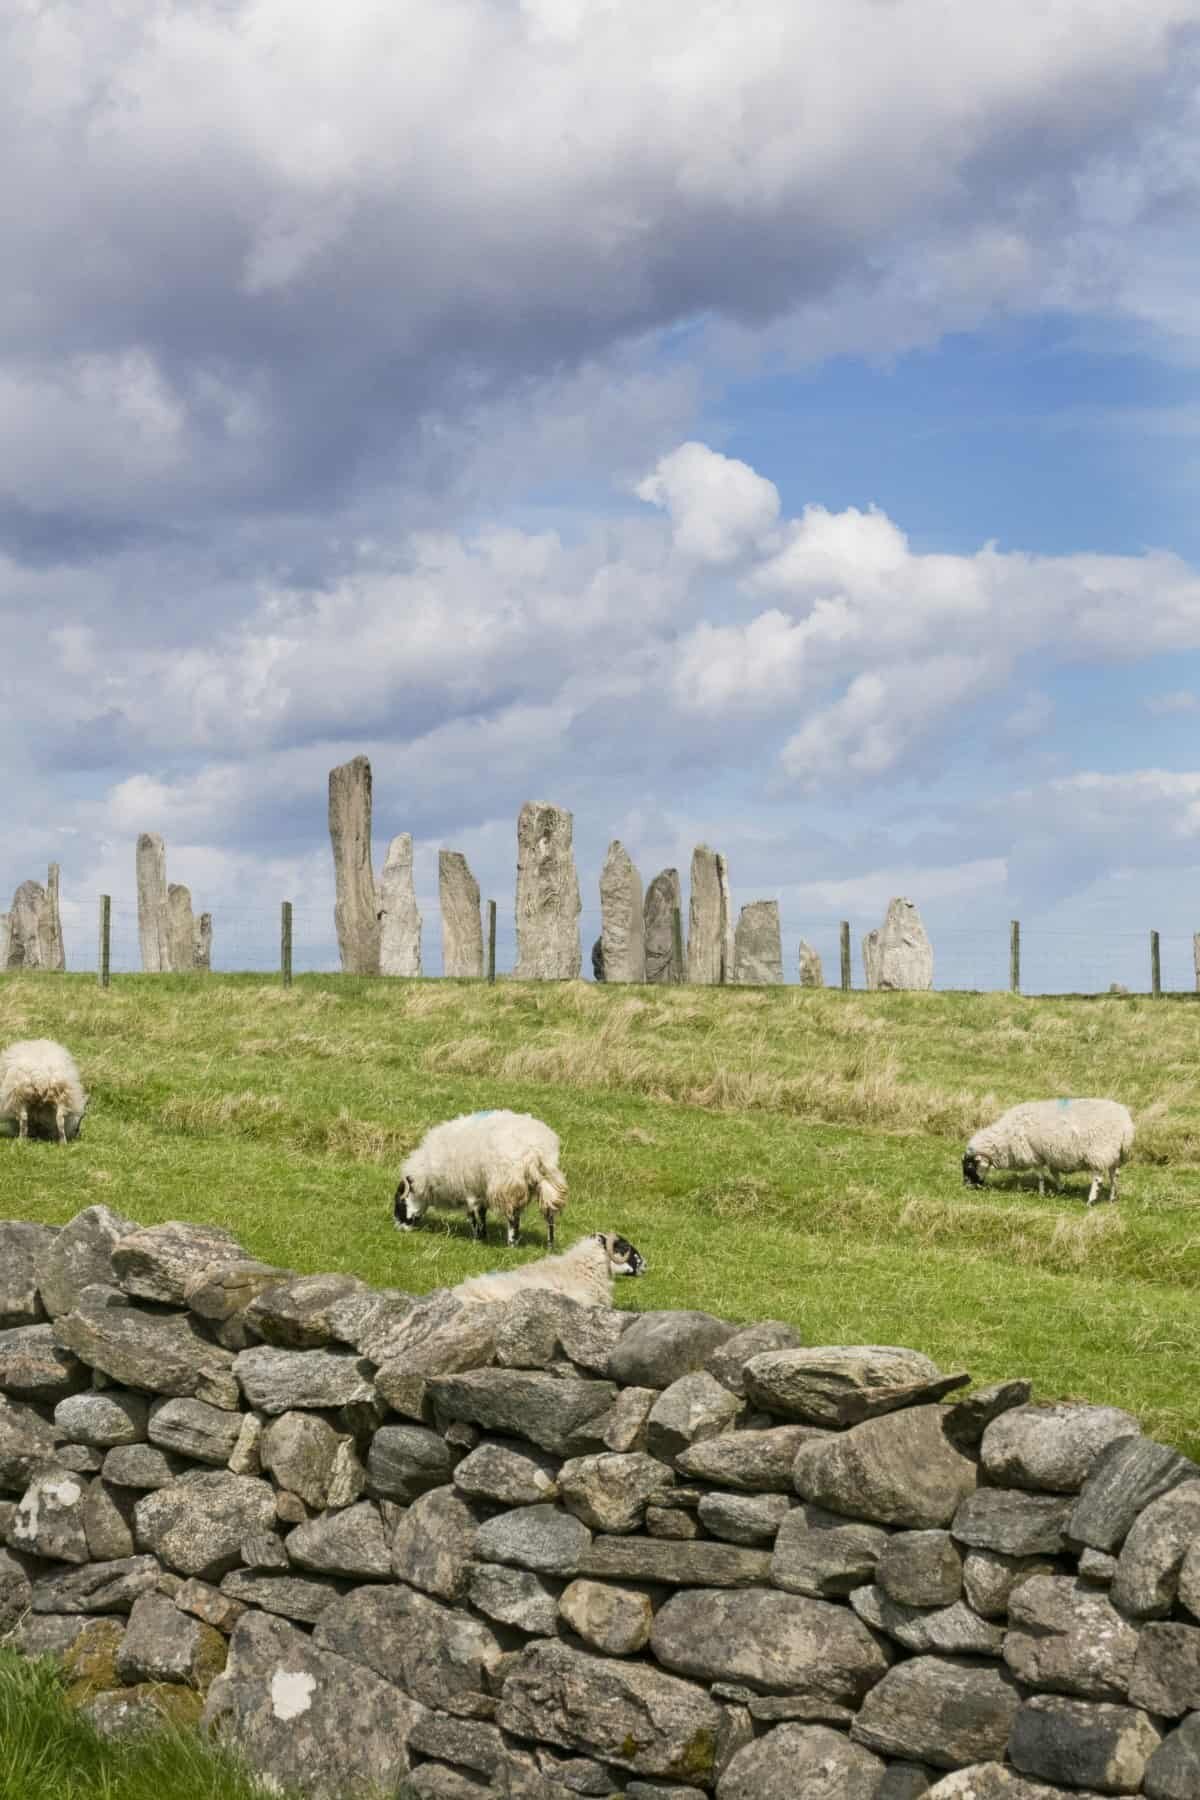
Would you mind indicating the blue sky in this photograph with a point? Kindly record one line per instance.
(738, 425)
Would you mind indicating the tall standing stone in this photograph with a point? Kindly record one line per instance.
(622, 927)
(5, 938)
(462, 929)
(663, 900)
(1196, 957)
(399, 915)
(34, 933)
(180, 930)
(50, 937)
(709, 950)
(898, 954)
(758, 945)
(547, 895)
(202, 952)
(355, 909)
(811, 975)
(152, 902)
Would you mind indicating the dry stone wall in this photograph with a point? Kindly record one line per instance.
(540, 1551)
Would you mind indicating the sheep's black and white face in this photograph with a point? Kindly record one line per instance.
(974, 1168)
(623, 1259)
(400, 1208)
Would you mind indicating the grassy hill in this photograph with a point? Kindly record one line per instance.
(773, 1153)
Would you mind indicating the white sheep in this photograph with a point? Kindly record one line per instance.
(499, 1159)
(1055, 1137)
(583, 1273)
(40, 1087)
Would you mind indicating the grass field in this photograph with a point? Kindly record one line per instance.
(773, 1153)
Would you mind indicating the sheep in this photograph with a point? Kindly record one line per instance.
(583, 1273)
(40, 1087)
(1055, 1137)
(500, 1159)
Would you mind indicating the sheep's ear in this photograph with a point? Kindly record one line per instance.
(600, 1238)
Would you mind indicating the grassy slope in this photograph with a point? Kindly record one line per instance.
(772, 1153)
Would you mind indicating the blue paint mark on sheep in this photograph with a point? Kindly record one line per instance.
(488, 1114)
(1063, 1105)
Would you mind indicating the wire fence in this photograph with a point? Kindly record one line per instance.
(1053, 960)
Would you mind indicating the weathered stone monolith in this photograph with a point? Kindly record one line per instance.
(31, 934)
(180, 955)
(5, 938)
(462, 930)
(898, 954)
(1196, 957)
(152, 902)
(203, 943)
(663, 897)
(50, 937)
(758, 945)
(622, 933)
(547, 895)
(810, 966)
(355, 912)
(598, 960)
(399, 915)
(709, 950)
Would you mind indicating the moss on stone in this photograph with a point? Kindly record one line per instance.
(90, 1665)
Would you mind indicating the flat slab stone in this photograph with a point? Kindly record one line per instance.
(159, 1262)
(542, 1538)
(820, 1554)
(110, 1587)
(696, 1564)
(298, 1313)
(841, 1385)
(143, 1466)
(191, 1428)
(34, 1367)
(752, 1519)
(521, 1403)
(1126, 1476)
(224, 1290)
(437, 1655)
(900, 1469)
(753, 1462)
(302, 1597)
(660, 1347)
(946, 1630)
(947, 1711)
(1083, 1741)
(160, 1353)
(773, 1643)
(275, 1381)
(1015, 1524)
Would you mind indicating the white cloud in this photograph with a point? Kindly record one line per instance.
(719, 507)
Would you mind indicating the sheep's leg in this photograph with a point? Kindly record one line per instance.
(1113, 1178)
(23, 1127)
(1093, 1190)
(477, 1213)
(1041, 1185)
(550, 1231)
(60, 1120)
(512, 1229)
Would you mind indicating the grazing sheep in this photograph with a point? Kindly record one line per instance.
(500, 1159)
(1055, 1137)
(584, 1273)
(41, 1090)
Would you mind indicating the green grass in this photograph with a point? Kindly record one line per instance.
(776, 1153)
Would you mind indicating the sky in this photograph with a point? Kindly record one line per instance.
(773, 425)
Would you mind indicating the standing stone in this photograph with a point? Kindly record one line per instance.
(547, 895)
(462, 930)
(202, 947)
(709, 926)
(663, 900)
(26, 927)
(5, 938)
(898, 954)
(622, 934)
(810, 966)
(355, 911)
(598, 960)
(399, 916)
(152, 902)
(758, 945)
(180, 930)
(50, 937)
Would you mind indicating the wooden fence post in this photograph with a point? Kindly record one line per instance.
(1155, 968)
(680, 972)
(105, 939)
(491, 974)
(1196, 957)
(285, 943)
(845, 956)
(1014, 956)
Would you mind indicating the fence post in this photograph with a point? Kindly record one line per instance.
(677, 944)
(1196, 957)
(285, 943)
(491, 974)
(1155, 969)
(1014, 956)
(105, 939)
(845, 934)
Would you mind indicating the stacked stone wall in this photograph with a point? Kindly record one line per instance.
(540, 1551)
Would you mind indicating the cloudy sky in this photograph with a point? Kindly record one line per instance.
(775, 424)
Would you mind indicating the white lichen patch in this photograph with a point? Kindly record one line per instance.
(62, 1493)
(291, 1692)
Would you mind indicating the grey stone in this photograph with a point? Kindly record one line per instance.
(108, 1521)
(758, 945)
(623, 1426)
(159, 1353)
(443, 1338)
(129, 1713)
(809, 966)
(182, 930)
(1126, 1476)
(222, 1292)
(542, 1538)
(989, 1578)
(1083, 1742)
(1051, 1447)
(151, 872)
(275, 1381)
(615, 1621)
(299, 1449)
(439, 1656)
(547, 903)
(744, 1518)
(654, 1790)
(302, 1597)
(989, 1781)
(21, 1244)
(1189, 1580)
(159, 1262)
(1166, 1671)
(1067, 1637)
(284, 1705)
(298, 1312)
(163, 1644)
(45, 1634)
(395, 1326)
(80, 1459)
(698, 1564)
(79, 1256)
(535, 1330)
(751, 1461)
(1173, 1772)
(819, 1553)
(1147, 1579)
(142, 1466)
(622, 935)
(458, 905)
(103, 1420)
(710, 926)
(48, 1521)
(197, 1524)
(898, 953)
(356, 908)
(660, 1347)
(190, 1428)
(609, 1492)
(921, 1568)
(399, 914)
(434, 1544)
(811, 1760)
(774, 1643)
(520, 1403)
(105, 1587)
(202, 943)
(264, 1553)
(906, 1781)
(509, 1474)
(668, 1522)
(1016, 1524)
(350, 1542)
(692, 1409)
(1098, 1567)
(407, 1460)
(967, 1420)
(663, 900)
(947, 1711)
(900, 1469)
(842, 1385)
(16, 1591)
(514, 1597)
(34, 1367)
(728, 1361)
(628, 1713)
(945, 1630)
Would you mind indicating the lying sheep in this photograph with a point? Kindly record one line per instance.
(1055, 1137)
(41, 1090)
(584, 1273)
(500, 1159)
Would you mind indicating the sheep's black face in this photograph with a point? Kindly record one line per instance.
(400, 1218)
(625, 1259)
(972, 1172)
